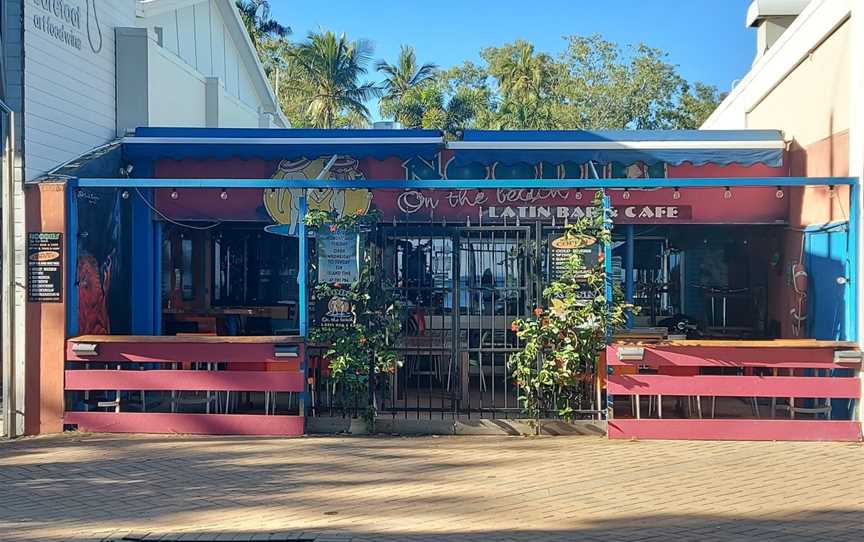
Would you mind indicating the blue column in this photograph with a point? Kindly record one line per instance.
(302, 271)
(607, 255)
(607, 261)
(72, 258)
(143, 264)
(853, 287)
(302, 303)
(629, 279)
(157, 277)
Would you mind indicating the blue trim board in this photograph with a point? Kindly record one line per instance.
(674, 157)
(596, 136)
(282, 133)
(467, 135)
(401, 184)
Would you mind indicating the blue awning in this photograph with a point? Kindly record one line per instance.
(279, 144)
(673, 147)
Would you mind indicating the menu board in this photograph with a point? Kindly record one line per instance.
(562, 247)
(45, 267)
(337, 257)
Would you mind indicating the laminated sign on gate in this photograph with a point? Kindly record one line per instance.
(338, 260)
(338, 263)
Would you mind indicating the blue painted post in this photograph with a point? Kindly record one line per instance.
(157, 277)
(302, 303)
(607, 254)
(143, 260)
(72, 258)
(302, 271)
(853, 287)
(629, 279)
(607, 267)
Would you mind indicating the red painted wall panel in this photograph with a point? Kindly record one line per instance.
(196, 424)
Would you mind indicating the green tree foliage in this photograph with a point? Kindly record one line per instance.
(259, 25)
(526, 83)
(330, 69)
(592, 84)
(400, 79)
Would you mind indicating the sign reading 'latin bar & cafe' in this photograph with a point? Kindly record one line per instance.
(506, 205)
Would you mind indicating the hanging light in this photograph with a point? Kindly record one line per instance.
(779, 193)
(174, 194)
(626, 194)
(727, 194)
(578, 193)
(124, 194)
(224, 194)
(676, 194)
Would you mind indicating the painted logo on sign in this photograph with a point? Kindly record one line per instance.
(283, 204)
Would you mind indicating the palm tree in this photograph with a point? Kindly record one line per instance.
(400, 78)
(526, 81)
(259, 25)
(331, 67)
(524, 75)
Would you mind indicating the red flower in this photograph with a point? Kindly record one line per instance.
(333, 227)
(514, 327)
(538, 311)
(337, 285)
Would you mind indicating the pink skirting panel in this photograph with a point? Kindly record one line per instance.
(193, 424)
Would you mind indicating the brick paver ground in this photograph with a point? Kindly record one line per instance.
(438, 489)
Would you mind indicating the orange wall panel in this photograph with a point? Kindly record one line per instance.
(46, 322)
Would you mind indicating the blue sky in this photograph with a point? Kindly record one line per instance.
(707, 39)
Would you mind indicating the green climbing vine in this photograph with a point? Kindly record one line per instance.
(364, 348)
(565, 336)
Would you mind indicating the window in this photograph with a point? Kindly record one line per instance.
(253, 268)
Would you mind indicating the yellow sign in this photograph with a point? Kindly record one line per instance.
(573, 242)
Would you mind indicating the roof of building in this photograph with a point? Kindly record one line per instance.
(474, 146)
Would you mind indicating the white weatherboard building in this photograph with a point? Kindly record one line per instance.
(81, 73)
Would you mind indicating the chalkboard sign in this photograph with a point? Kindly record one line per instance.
(337, 257)
(562, 247)
(45, 267)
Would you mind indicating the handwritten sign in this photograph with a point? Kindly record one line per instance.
(337, 257)
(45, 267)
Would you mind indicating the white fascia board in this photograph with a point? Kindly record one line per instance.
(249, 55)
(818, 21)
(152, 8)
(284, 140)
(613, 145)
(762, 9)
